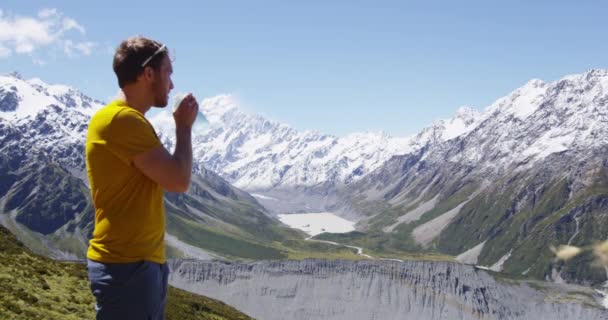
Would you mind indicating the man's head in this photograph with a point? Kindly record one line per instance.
(143, 65)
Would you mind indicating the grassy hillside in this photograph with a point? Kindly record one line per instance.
(517, 218)
(35, 287)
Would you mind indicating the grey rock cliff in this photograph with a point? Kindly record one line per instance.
(321, 289)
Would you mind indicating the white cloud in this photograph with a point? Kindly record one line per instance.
(72, 49)
(24, 47)
(25, 35)
(46, 13)
(69, 23)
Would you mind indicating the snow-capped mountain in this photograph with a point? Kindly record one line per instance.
(528, 173)
(51, 119)
(255, 153)
(273, 159)
(291, 170)
(500, 185)
(465, 120)
(538, 120)
(22, 99)
(521, 129)
(45, 202)
(262, 155)
(248, 150)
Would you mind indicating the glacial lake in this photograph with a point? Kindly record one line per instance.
(317, 223)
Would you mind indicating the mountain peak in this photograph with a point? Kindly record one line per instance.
(15, 74)
(596, 73)
(215, 108)
(522, 102)
(445, 129)
(534, 83)
(466, 113)
(29, 97)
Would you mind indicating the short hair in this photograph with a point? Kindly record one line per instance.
(131, 54)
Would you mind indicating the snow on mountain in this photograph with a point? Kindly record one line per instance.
(18, 92)
(537, 120)
(525, 126)
(250, 151)
(33, 96)
(465, 120)
(462, 123)
(255, 153)
(529, 172)
(522, 102)
(217, 108)
(53, 119)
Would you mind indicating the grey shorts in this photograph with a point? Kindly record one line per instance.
(129, 290)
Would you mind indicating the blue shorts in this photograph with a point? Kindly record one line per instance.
(129, 290)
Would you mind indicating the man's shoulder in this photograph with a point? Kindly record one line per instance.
(116, 110)
(120, 119)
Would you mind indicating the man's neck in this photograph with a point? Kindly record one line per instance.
(135, 101)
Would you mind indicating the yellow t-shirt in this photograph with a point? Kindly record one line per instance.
(129, 208)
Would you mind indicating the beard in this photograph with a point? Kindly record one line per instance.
(161, 96)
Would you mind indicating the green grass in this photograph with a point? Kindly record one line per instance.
(383, 248)
(526, 212)
(302, 249)
(291, 246)
(212, 240)
(36, 287)
(185, 305)
(555, 226)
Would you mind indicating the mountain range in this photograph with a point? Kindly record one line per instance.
(494, 188)
(45, 200)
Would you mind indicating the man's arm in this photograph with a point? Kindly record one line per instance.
(173, 172)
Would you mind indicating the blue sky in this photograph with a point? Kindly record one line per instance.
(333, 66)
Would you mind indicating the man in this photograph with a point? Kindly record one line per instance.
(128, 170)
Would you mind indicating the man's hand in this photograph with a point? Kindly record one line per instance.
(186, 113)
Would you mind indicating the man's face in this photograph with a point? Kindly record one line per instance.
(163, 84)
